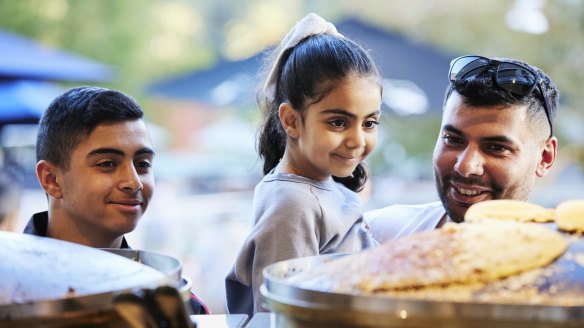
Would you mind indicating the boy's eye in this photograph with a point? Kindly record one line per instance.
(106, 164)
(338, 123)
(144, 164)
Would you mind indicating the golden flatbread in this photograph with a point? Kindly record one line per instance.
(570, 215)
(466, 253)
(507, 209)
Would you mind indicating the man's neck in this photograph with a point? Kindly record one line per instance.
(445, 218)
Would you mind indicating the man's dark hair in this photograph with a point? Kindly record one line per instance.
(481, 90)
(74, 115)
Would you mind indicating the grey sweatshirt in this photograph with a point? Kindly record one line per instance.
(294, 217)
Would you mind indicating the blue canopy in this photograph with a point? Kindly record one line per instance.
(25, 101)
(22, 58)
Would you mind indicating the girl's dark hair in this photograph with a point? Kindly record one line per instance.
(308, 72)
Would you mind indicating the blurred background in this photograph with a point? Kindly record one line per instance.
(192, 65)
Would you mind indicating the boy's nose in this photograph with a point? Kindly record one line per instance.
(131, 180)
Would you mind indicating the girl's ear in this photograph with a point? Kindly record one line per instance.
(290, 120)
(47, 174)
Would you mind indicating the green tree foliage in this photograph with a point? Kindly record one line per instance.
(149, 39)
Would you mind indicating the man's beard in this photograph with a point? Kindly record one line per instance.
(456, 213)
(443, 187)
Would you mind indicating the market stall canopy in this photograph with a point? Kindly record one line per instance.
(415, 74)
(223, 84)
(23, 102)
(22, 58)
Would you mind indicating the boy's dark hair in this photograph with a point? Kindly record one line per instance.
(74, 115)
(308, 73)
(480, 90)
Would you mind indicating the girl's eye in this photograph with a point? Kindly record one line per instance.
(370, 124)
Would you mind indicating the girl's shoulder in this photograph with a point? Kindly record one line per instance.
(286, 181)
(289, 190)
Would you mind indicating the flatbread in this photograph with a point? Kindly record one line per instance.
(507, 209)
(570, 215)
(466, 253)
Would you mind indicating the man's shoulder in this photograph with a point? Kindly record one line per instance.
(401, 220)
(400, 210)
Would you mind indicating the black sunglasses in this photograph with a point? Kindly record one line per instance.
(513, 77)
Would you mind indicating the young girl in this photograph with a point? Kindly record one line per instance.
(322, 107)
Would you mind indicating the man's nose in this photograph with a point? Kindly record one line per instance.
(470, 162)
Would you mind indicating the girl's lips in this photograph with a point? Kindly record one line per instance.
(348, 158)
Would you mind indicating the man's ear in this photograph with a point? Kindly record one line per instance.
(548, 156)
(47, 175)
(290, 120)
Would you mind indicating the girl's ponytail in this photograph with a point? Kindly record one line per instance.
(272, 138)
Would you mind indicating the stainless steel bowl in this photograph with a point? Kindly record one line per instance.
(170, 266)
(46, 282)
(295, 306)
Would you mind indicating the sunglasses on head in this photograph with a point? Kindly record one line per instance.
(518, 79)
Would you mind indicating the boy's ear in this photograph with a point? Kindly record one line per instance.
(47, 174)
(290, 119)
(548, 156)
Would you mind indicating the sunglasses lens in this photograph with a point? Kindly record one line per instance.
(515, 78)
(462, 67)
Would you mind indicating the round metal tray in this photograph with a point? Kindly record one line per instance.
(170, 266)
(296, 306)
(52, 283)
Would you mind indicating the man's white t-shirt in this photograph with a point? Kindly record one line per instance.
(396, 221)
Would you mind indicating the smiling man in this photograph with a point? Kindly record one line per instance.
(496, 138)
(94, 162)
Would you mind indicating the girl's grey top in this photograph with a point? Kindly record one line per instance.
(294, 217)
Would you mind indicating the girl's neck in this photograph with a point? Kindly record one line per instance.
(290, 167)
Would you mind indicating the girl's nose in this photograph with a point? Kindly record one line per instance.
(356, 138)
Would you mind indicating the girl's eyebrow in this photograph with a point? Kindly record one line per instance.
(346, 113)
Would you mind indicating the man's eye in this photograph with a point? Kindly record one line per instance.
(497, 148)
(451, 140)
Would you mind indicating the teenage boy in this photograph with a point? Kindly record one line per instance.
(94, 162)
